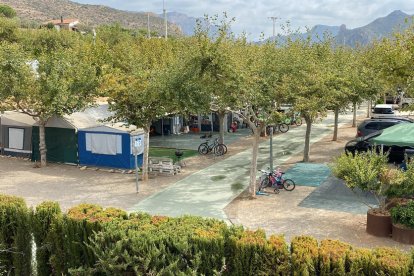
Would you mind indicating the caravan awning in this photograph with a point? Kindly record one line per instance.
(399, 135)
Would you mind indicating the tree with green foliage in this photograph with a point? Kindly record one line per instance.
(258, 96)
(305, 79)
(55, 84)
(8, 30)
(7, 11)
(339, 82)
(133, 80)
(216, 70)
(394, 62)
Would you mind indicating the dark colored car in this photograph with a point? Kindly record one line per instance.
(362, 144)
(375, 124)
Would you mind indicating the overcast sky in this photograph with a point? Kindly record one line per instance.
(252, 16)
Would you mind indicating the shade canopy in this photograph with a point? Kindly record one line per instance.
(398, 135)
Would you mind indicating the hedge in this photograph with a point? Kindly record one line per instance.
(333, 257)
(91, 240)
(305, 256)
(43, 217)
(15, 236)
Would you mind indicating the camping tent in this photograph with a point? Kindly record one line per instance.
(61, 134)
(61, 141)
(109, 146)
(16, 134)
(401, 135)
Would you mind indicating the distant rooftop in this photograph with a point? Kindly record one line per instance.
(63, 21)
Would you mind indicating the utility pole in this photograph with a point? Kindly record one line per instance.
(165, 19)
(274, 18)
(148, 25)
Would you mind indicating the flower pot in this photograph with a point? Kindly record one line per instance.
(378, 224)
(403, 234)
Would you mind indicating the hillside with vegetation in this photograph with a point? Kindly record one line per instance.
(37, 11)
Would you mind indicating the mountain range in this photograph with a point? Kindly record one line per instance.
(396, 21)
(39, 11)
(181, 24)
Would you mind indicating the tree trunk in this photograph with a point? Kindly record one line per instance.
(42, 143)
(221, 115)
(308, 121)
(253, 166)
(369, 109)
(145, 155)
(354, 115)
(335, 134)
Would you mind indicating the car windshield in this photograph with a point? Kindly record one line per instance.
(381, 110)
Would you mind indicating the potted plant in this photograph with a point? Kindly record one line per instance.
(403, 223)
(403, 215)
(369, 171)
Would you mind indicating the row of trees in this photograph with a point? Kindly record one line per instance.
(46, 73)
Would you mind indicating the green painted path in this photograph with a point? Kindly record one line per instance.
(207, 192)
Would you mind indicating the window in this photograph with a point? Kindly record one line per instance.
(372, 125)
(16, 138)
(383, 125)
(380, 110)
(100, 143)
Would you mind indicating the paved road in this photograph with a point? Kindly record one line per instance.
(207, 192)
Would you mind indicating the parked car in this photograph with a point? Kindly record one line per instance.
(374, 124)
(383, 110)
(362, 144)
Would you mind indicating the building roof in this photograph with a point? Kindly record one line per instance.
(63, 22)
(14, 118)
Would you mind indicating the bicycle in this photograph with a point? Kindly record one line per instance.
(294, 121)
(282, 127)
(275, 180)
(217, 148)
(293, 118)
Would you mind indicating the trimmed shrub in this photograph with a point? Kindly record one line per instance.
(403, 214)
(304, 255)
(333, 257)
(389, 261)
(42, 221)
(158, 245)
(208, 248)
(77, 227)
(279, 255)
(359, 262)
(15, 236)
(250, 253)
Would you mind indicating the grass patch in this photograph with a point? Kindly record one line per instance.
(170, 153)
(218, 177)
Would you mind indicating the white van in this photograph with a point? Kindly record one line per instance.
(383, 110)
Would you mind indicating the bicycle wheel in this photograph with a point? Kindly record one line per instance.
(203, 149)
(289, 184)
(265, 183)
(283, 127)
(298, 121)
(219, 150)
(224, 147)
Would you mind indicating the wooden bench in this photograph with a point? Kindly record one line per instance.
(162, 165)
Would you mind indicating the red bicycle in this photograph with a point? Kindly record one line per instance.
(276, 181)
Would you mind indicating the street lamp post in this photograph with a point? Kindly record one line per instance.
(165, 19)
(274, 18)
(271, 148)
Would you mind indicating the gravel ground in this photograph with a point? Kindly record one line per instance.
(281, 214)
